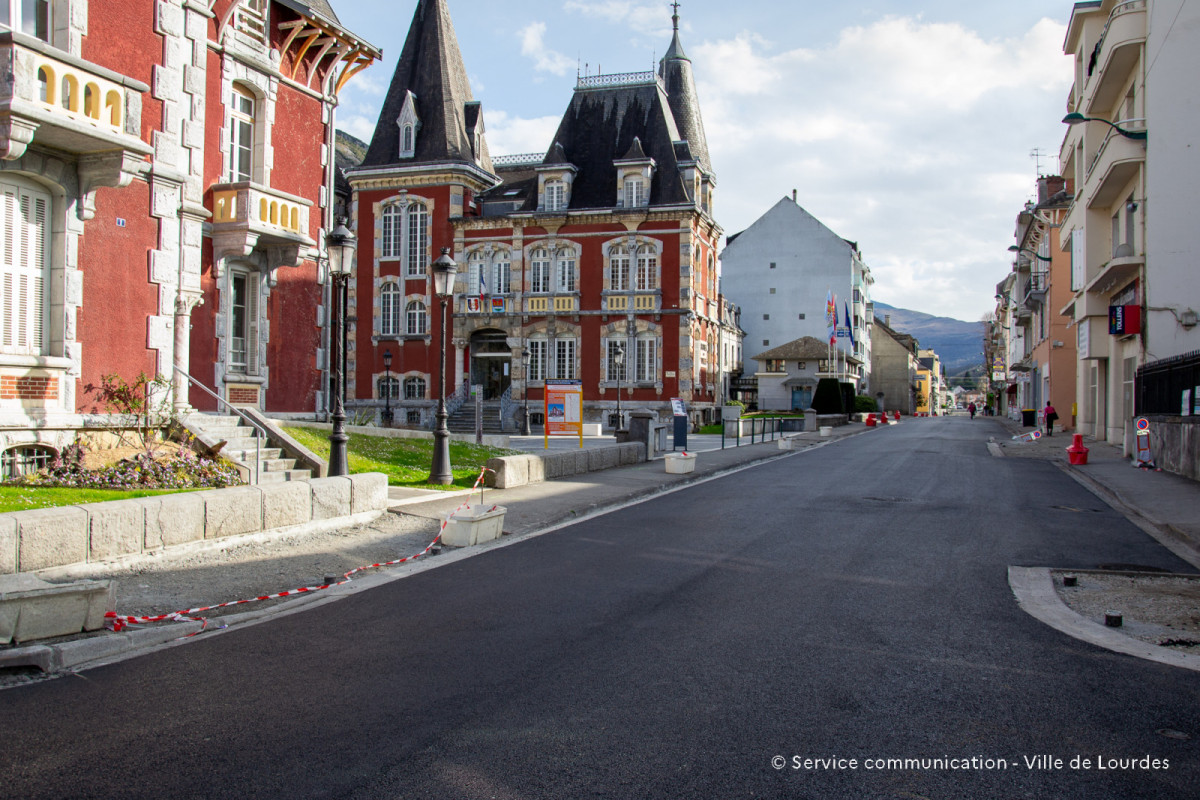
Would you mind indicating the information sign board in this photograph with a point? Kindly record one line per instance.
(564, 409)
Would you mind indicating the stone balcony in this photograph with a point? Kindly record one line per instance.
(64, 103)
(246, 216)
(1120, 47)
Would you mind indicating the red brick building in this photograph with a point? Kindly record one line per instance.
(596, 260)
(151, 222)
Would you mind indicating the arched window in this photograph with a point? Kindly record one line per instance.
(389, 387)
(564, 271)
(417, 318)
(556, 195)
(501, 272)
(240, 123)
(647, 269)
(389, 309)
(476, 280)
(619, 268)
(539, 271)
(646, 358)
(417, 253)
(414, 389)
(406, 146)
(392, 223)
(24, 460)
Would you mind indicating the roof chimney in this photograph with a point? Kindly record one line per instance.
(794, 197)
(887, 320)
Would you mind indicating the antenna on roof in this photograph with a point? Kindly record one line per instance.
(1036, 154)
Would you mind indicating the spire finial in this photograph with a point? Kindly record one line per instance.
(675, 15)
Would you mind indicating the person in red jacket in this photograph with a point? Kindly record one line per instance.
(1050, 415)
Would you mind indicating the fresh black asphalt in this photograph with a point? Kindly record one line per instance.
(848, 602)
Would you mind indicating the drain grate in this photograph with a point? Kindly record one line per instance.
(1179, 643)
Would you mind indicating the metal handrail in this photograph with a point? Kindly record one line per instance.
(506, 405)
(454, 402)
(259, 431)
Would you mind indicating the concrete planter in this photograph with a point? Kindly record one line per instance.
(34, 609)
(473, 525)
(826, 430)
(680, 463)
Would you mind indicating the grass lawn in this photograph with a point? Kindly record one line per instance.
(406, 462)
(23, 498)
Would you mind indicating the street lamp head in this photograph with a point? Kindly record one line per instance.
(340, 246)
(525, 355)
(1075, 118)
(387, 359)
(444, 270)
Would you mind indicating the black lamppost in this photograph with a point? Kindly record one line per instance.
(444, 270)
(387, 388)
(619, 360)
(525, 354)
(340, 249)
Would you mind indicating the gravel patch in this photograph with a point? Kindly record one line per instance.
(1158, 609)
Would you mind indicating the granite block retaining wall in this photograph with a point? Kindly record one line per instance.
(57, 537)
(512, 471)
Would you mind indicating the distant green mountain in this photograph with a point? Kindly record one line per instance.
(959, 344)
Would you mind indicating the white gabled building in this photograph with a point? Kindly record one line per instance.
(780, 271)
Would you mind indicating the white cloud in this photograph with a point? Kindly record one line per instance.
(510, 135)
(643, 16)
(908, 137)
(358, 126)
(533, 45)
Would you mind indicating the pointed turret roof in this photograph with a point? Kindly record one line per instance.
(675, 68)
(431, 68)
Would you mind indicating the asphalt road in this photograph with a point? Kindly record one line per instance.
(849, 602)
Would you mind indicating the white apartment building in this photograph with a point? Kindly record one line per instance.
(780, 271)
(1131, 157)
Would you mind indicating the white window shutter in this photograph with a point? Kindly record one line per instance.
(24, 227)
(252, 290)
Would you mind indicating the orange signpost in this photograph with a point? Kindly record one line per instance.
(564, 410)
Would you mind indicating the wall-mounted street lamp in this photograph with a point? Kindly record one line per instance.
(387, 390)
(444, 270)
(340, 249)
(1076, 118)
(619, 360)
(1038, 256)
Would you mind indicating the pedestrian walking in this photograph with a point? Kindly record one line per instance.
(971, 409)
(1050, 415)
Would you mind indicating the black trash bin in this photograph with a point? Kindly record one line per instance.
(1029, 417)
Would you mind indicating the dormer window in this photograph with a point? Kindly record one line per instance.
(635, 192)
(409, 124)
(556, 195)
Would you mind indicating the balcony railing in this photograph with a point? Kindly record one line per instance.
(66, 103)
(263, 212)
(1116, 53)
(616, 79)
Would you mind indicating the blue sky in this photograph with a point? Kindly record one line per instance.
(904, 126)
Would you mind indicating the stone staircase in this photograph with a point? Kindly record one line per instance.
(463, 420)
(240, 448)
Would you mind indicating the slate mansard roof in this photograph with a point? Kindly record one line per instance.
(431, 68)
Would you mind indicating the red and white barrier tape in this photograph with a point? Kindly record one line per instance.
(116, 622)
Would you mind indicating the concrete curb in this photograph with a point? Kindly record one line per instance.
(1166, 535)
(1034, 589)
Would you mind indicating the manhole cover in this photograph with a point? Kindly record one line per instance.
(1171, 733)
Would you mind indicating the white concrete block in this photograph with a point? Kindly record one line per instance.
(288, 503)
(173, 519)
(368, 492)
(229, 512)
(34, 609)
(51, 537)
(8, 544)
(330, 497)
(116, 528)
(474, 525)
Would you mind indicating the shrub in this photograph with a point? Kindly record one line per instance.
(864, 404)
(828, 397)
